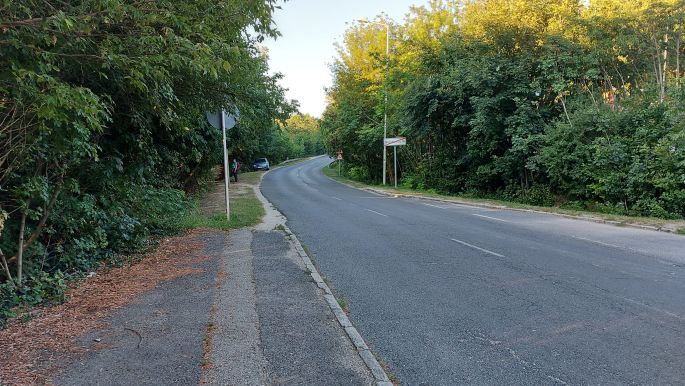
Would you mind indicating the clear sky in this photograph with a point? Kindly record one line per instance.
(310, 28)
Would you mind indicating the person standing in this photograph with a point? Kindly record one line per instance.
(235, 168)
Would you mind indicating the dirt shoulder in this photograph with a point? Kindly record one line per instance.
(34, 351)
(123, 306)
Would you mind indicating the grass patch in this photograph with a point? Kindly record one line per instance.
(246, 210)
(310, 255)
(392, 377)
(250, 178)
(680, 231)
(331, 171)
(343, 304)
(207, 343)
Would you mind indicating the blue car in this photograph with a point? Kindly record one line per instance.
(261, 164)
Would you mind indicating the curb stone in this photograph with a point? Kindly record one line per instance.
(355, 337)
(365, 353)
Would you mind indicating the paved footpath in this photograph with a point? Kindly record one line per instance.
(249, 315)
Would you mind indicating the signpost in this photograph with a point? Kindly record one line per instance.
(339, 158)
(224, 121)
(397, 141)
(394, 142)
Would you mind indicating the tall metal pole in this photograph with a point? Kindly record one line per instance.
(226, 175)
(394, 149)
(385, 104)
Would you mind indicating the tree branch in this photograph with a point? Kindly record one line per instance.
(6, 267)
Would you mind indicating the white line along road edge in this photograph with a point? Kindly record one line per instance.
(363, 350)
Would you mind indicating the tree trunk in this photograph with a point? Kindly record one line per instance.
(20, 251)
(6, 267)
(677, 57)
(665, 69)
(41, 223)
(658, 67)
(563, 104)
(655, 67)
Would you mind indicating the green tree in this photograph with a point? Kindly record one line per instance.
(102, 120)
(547, 102)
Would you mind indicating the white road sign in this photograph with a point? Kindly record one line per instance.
(398, 141)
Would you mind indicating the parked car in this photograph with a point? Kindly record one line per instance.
(261, 164)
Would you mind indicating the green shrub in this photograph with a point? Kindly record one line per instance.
(540, 195)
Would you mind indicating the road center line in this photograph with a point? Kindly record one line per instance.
(491, 218)
(336, 198)
(478, 248)
(378, 213)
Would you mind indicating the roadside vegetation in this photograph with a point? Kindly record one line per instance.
(578, 105)
(104, 142)
(669, 225)
(208, 210)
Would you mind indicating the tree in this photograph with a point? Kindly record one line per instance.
(547, 102)
(102, 127)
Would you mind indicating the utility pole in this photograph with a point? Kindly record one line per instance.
(226, 174)
(385, 89)
(385, 104)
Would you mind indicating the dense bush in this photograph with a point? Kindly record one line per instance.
(546, 102)
(103, 130)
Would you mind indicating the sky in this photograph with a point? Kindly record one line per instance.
(310, 28)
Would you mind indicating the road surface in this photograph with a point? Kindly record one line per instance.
(452, 294)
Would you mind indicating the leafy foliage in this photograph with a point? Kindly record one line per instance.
(102, 124)
(547, 102)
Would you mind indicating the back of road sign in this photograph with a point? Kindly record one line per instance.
(215, 120)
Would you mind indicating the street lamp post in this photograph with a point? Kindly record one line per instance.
(385, 89)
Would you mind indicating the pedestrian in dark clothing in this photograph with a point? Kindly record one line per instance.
(235, 169)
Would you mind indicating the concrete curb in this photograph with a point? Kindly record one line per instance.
(494, 206)
(355, 337)
(364, 352)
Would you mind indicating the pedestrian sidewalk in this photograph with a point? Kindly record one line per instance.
(271, 324)
(249, 313)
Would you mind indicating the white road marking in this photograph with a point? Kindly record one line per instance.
(665, 312)
(478, 248)
(555, 379)
(475, 207)
(599, 242)
(450, 204)
(336, 198)
(491, 218)
(378, 213)
(453, 204)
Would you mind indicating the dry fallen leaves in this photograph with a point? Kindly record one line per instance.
(29, 351)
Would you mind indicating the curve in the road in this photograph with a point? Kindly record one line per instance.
(453, 294)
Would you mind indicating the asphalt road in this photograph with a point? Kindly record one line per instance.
(451, 294)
